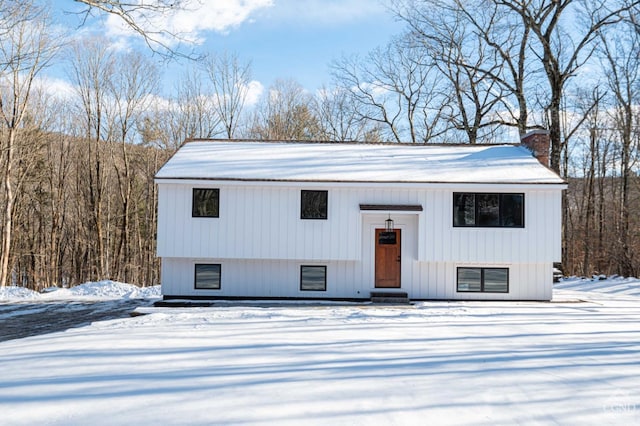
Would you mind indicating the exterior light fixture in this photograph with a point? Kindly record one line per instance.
(388, 224)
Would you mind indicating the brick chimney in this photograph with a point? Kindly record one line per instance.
(538, 142)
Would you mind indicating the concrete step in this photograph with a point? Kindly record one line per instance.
(391, 297)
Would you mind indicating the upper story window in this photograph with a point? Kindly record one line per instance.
(313, 204)
(488, 210)
(205, 202)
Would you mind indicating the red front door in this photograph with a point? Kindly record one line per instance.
(388, 258)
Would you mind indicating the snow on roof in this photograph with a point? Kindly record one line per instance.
(356, 162)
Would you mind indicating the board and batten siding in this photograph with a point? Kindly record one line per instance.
(437, 280)
(260, 240)
(256, 222)
(260, 278)
(538, 241)
(281, 278)
(263, 222)
(349, 279)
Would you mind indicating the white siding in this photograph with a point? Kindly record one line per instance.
(263, 222)
(257, 223)
(260, 241)
(259, 278)
(347, 279)
(538, 241)
(437, 280)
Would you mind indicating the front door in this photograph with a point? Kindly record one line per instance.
(387, 258)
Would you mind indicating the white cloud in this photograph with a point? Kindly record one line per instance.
(188, 25)
(55, 87)
(254, 93)
(221, 16)
(326, 12)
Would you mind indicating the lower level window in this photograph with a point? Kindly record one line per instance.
(483, 280)
(313, 278)
(207, 276)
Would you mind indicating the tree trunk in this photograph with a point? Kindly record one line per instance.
(8, 209)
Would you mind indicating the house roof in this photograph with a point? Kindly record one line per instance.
(355, 162)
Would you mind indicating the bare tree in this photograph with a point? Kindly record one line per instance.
(476, 97)
(458, 43)
(515, 38)
(506, 43)
(41, 208)
(14, 13)
(371, 102)
(230, 80)
(339, 119)
(192, 112)
(25, 49)
(398, 88)
(91, 68)
(285, 113)
(139, 16)
(58, 176)
(131, 91)
(580, 219)
(562, 50)
(621, 60)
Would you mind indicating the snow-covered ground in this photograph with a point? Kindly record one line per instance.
(572, 361)
(610, 285)
(101, 290)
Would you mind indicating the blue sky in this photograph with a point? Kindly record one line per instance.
(281, 38)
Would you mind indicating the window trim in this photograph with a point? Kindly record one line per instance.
(324, 267)
(193, 202)
(326, 212)
(482, 271)
(195, 276)
(500, 210)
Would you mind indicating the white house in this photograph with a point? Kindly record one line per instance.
(313, 220)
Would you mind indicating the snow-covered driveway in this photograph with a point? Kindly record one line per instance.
(432, 363)
(25, 313)
(24, 319)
